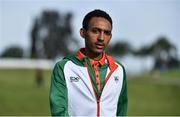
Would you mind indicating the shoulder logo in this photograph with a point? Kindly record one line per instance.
(74, 79)
(116, 79)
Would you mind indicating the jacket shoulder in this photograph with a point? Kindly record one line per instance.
(120, 64)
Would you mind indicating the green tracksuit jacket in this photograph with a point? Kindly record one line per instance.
(74, 92)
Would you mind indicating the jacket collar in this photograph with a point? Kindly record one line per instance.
(105, 59)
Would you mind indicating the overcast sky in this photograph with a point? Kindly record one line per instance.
(139, 22)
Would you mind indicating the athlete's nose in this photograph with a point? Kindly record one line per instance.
(101, 36)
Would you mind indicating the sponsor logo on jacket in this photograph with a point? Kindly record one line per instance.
(74, 79)
(116, 79)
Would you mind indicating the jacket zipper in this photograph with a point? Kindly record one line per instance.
(97, 99)
(98, 107)
(106, 79)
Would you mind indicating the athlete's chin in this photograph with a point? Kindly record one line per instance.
(99, 50)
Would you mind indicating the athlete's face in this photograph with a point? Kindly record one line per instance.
(97, 36)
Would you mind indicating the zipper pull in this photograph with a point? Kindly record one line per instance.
(98, 101)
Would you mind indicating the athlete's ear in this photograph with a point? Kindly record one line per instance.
(83, 32)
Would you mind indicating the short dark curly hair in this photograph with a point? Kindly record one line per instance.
(95, 13)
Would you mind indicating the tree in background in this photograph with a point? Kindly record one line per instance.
(119, 49)
(52, 35)
(13, 52)
(34, 36)
(163, 52)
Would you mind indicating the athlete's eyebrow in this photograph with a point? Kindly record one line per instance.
(94, 29)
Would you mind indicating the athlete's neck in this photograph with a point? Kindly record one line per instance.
(94, 56)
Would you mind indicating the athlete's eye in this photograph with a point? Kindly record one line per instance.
(107, 32)
(95, 30)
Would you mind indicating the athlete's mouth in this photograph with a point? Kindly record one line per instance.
(99, 45)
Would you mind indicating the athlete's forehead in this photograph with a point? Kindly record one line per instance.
(100, 22)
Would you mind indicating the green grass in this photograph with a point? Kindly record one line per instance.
(19, 94)
(154, 95)
(157, 94)
(171, 74)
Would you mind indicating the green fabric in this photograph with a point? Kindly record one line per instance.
(58, 91)
(76, 61)
(102, 72)
(123, 99)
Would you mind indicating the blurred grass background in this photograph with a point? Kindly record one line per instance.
(157, 94)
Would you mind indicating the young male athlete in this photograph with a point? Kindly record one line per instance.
(91, 82)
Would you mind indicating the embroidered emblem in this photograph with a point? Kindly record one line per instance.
(74, 79)
(116, 79)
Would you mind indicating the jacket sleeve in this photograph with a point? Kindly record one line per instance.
(123, 99)
(58, 91)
